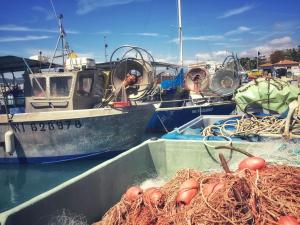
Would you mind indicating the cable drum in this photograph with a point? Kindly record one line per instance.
(224, 82)
(134, 74)
(197, 79)
(137, 76)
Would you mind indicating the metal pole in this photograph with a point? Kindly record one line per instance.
(62, 39)
(3, 90)
(105, 49)
(180, 34)
(257, 61)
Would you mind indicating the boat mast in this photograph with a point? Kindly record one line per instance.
(180, 33)
(62, 34)
(105, 49)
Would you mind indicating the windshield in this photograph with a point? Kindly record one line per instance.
(84, 85)
(39, 87)
(60, 86)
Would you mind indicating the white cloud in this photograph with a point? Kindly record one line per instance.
(200, 38)
(281, 41)
(49, 53)
(239, 30)
(148, 34)
(16, 28)
(86, 6)
(49, 15)
(285, 25)
(167, 58)
(12, 27)
(270, 34)
(217, 56)
(270, 46)
(236, 11)
(34, 51)
(143, 34)
(26, 38)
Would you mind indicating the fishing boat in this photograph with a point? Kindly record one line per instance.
(231, 128)
(269, 110)
(92, 193)
(166, 119)
(61, 123)
(66, 119)
(200, 93)
(209, 92)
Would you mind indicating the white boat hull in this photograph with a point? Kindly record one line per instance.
(64, 135)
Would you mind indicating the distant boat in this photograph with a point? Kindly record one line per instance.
(195, 93)
(201, 91)
(165, 119)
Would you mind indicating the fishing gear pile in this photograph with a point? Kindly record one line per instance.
(254, 125)
(257, 193)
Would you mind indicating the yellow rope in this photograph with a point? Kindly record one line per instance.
(253, 125)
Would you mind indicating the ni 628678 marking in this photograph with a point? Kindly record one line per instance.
(46, 126)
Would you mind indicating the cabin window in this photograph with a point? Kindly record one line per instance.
(39, 87)
(84, 85)
(60, 86)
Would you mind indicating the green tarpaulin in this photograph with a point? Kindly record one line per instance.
(272, 94)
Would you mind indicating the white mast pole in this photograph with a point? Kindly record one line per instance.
(180, 33)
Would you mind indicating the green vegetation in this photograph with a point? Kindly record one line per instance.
(278, 55)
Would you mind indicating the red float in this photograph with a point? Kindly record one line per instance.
(187, 192)
(133, 193)
(155, 195)
(211, 188)
(288, 220)
(252, 163)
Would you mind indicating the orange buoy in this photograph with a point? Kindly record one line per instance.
(187, 191)
(133, 193)
(288, 220)
(252, 163)
(211, 188)
(155, 195)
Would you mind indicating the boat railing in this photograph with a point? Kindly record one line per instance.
(194, 101)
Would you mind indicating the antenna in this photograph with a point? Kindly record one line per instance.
(105, 49)
(61, 38)
(180, 33)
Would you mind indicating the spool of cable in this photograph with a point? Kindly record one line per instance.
(224, 82)
(134, 74)
(197, 80)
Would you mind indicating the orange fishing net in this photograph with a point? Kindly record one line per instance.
(242, 197)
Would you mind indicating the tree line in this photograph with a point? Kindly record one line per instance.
(276, 56)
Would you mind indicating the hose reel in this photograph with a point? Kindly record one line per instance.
(197, 79)
(227, 79)
(133, 75)
(224, 82)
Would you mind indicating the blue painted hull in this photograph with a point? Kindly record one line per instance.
(165, 120)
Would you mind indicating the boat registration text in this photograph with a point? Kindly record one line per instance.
(46, 126)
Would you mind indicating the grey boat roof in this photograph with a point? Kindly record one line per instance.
(109, 65)
(11, 63)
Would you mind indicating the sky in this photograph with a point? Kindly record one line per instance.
(211, 28)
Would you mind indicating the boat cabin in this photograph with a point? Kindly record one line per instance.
(67, 90)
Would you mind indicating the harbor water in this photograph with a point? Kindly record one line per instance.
(21, 182)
